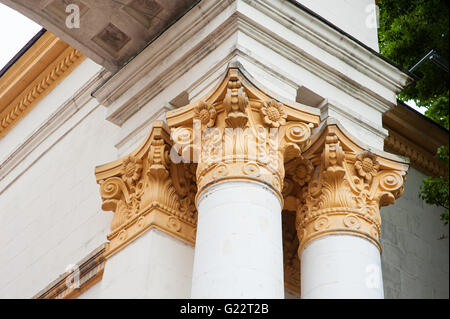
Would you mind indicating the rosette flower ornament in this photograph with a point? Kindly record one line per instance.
(131, 170)
(206, 113)
(274, 113)
(366, 165)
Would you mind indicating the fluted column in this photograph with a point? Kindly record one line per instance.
(240, 138)
(338, 220)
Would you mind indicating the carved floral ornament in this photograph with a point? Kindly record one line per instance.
(347, 188)
(238, 132)
(146, 189)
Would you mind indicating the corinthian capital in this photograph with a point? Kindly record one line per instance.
(146, 189)
(238, 132)
(349, 185)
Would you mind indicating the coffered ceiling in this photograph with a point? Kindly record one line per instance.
(111, 32)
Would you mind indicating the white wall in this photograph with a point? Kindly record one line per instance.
(50, 216)
(355, 17)
(415, 257)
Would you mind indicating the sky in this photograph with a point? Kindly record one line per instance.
(16, 30)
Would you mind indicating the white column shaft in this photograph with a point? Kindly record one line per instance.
(341, 266)
(155, 265)
(238, 252)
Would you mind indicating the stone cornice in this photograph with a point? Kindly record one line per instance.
(78, 279)
(49, 132)
(333, 42)
(416, 137)
(420, 158)
(136, 69)
(353, 69)
(33, 76)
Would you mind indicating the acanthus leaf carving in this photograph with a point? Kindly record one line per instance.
(146, 189)
(252, 137)
(347, 189)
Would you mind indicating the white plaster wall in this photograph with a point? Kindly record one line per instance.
(50, 216)
(156, 265)
(415, 243)
(356, 17)
(48, 105)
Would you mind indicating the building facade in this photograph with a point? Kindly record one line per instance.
(216, 149)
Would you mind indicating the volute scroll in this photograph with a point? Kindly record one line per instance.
(349, 185)
(146, 189)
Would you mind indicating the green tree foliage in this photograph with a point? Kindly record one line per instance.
(408, 30)
(434, 190)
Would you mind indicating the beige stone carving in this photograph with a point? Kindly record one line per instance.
(238, 132)
(74, 282)
(146, 189)
(327, 183)
(347, 188)
(416, 137)
(422, 159)
(45, 64)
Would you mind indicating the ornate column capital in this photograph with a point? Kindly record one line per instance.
(347, 184)
(146, 189)
(238, 132)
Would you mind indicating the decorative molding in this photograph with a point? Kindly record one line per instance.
(332, 41)
(89, 272)
(238, 132)
(349, 185)
(39, 140)
(146, 189)
(413, 135)
(170, 74)
(358, 72)
(329, 105)
(162, 47)
(420, 158)
(33, 76)
(313, 64)
(138, 132)
(136, 23)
